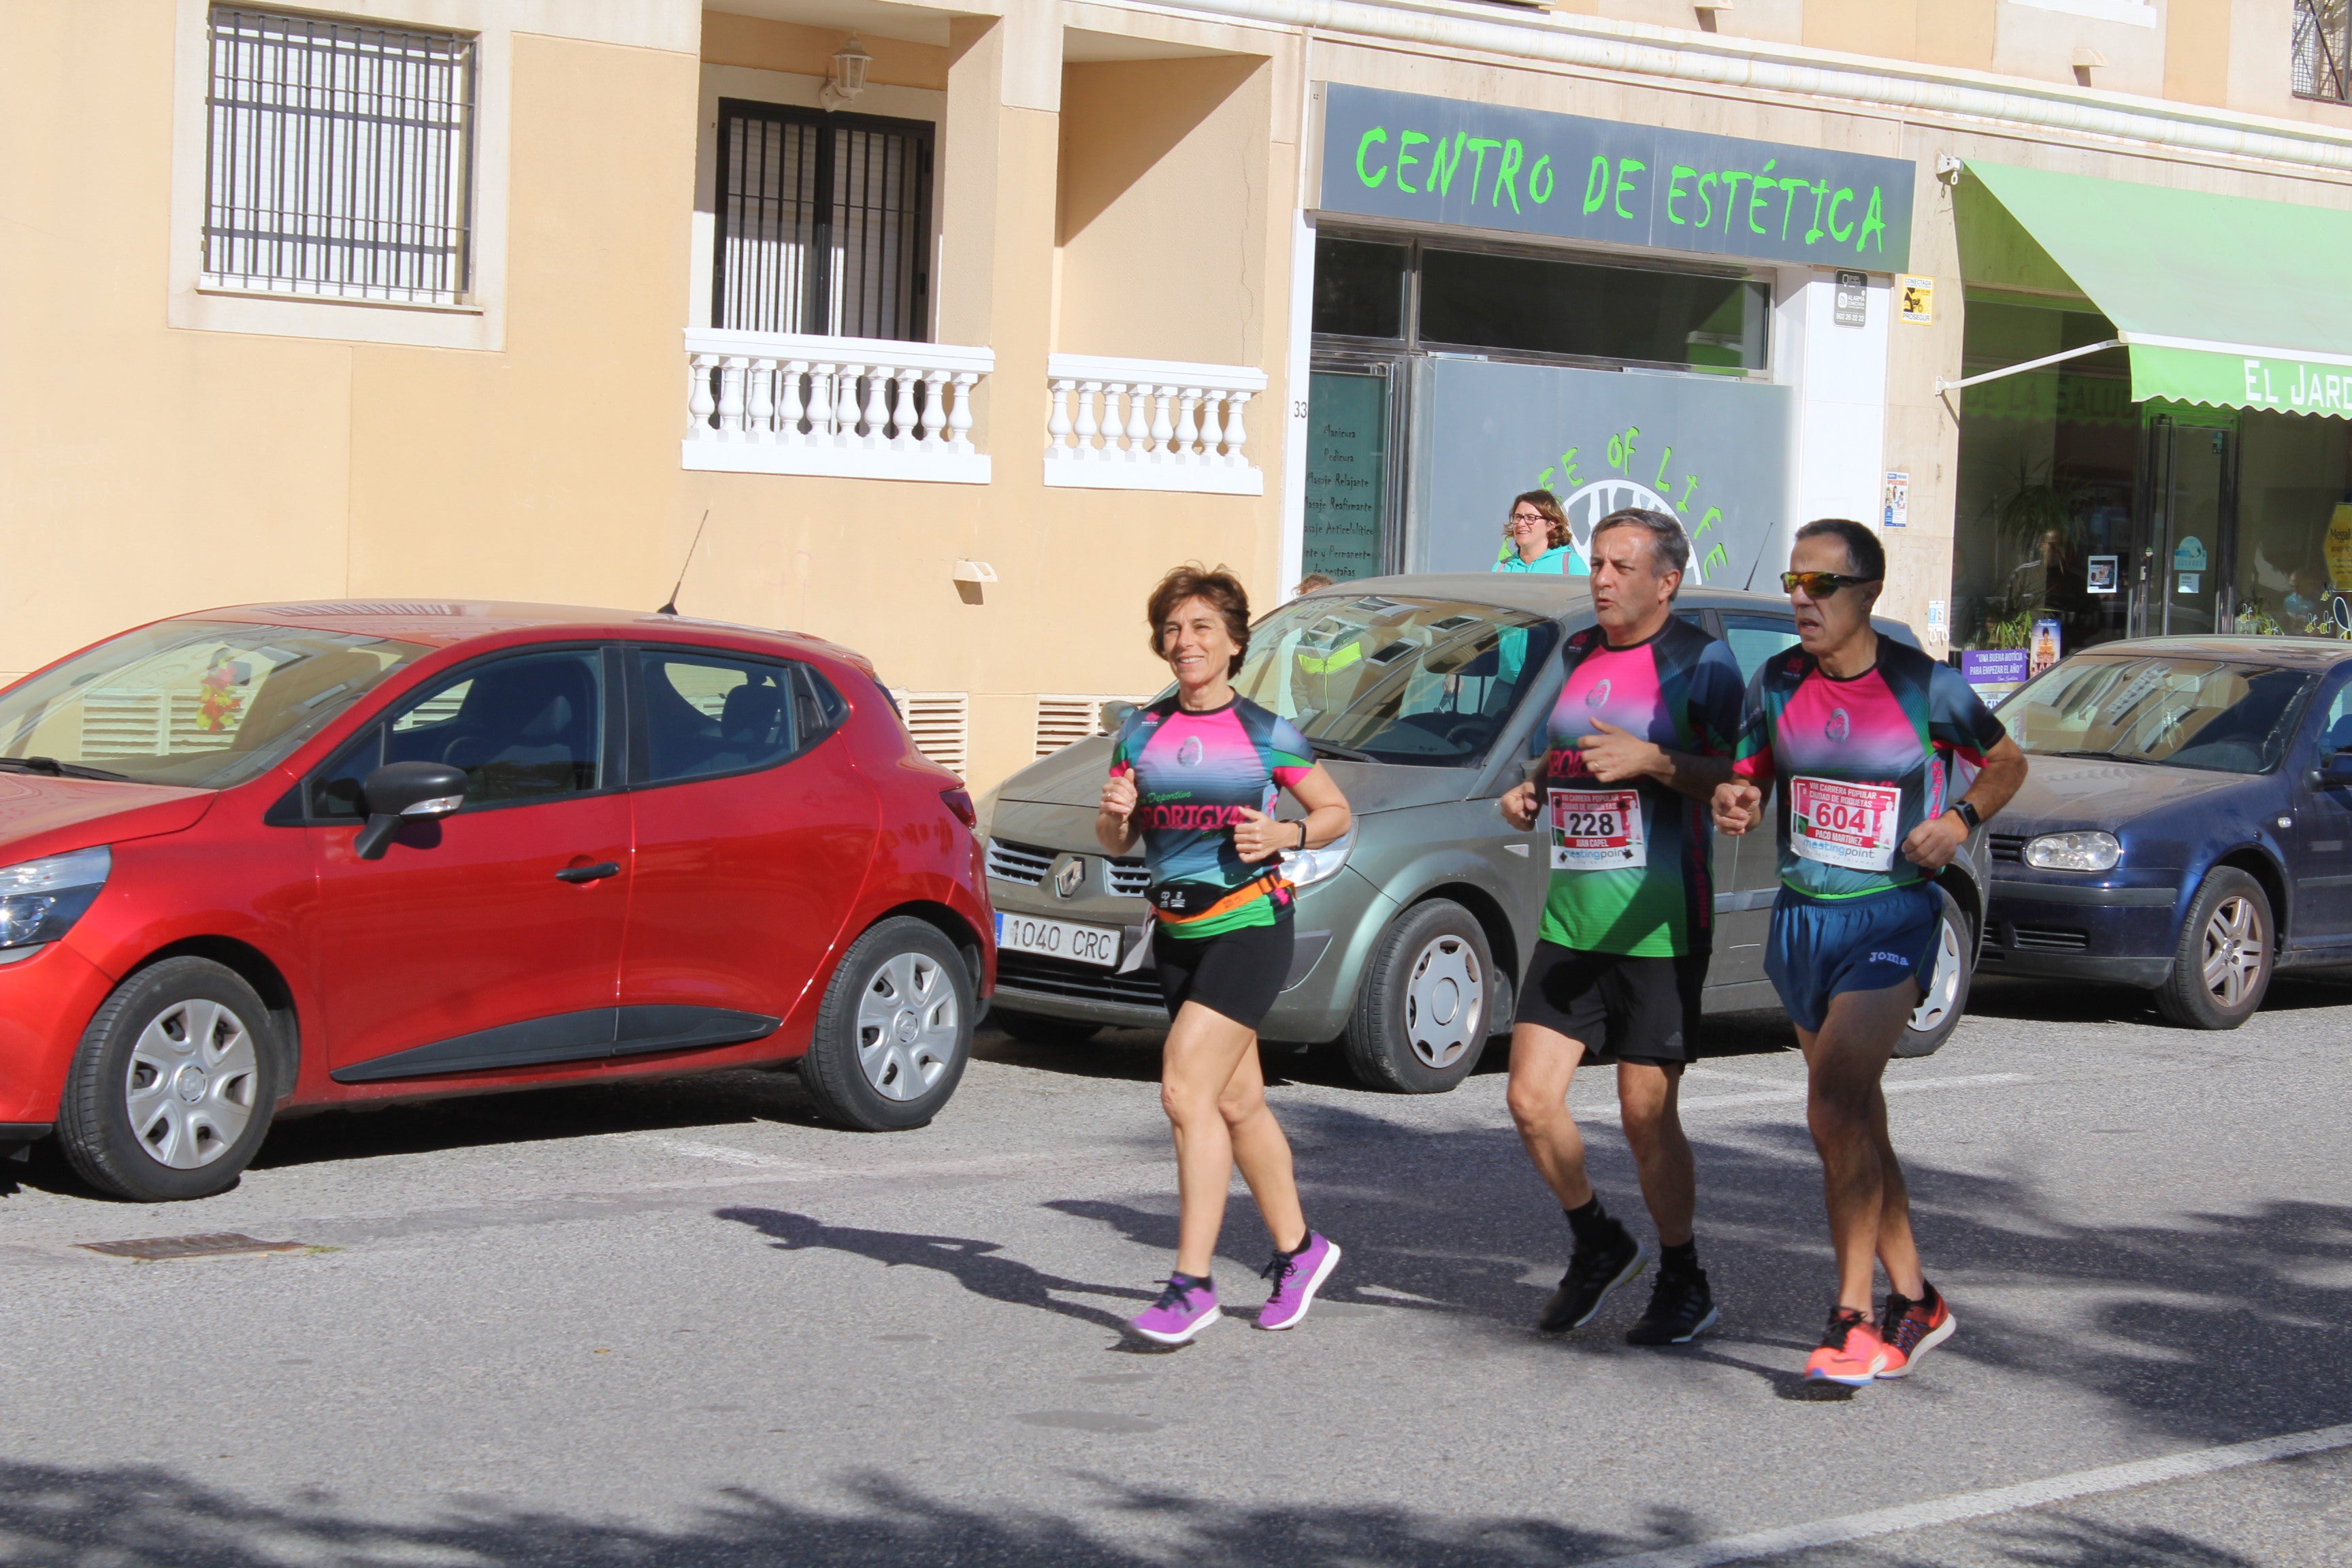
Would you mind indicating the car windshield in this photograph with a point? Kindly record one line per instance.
(1419, 681)
(201, 704)
(2218, 714)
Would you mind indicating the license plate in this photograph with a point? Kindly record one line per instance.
(1058, 938)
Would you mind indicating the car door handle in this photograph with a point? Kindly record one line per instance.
(595, 873)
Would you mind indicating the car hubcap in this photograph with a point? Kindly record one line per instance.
(907, 1025)
(192, 1085)
(1944, 985)
(1444, 1002)
(2235, 950)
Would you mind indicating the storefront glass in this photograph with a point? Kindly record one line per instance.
(2294, 554)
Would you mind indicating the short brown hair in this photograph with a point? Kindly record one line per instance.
(1547, 503)
(1220, 588)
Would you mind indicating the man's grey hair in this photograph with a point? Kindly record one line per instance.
(1669, 545)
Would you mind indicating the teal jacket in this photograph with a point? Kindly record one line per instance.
(1561, 558)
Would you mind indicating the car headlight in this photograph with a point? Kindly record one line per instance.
(40, 900)
(2087, 851)
(1304, 867)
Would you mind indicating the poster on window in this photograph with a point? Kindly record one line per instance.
(2103, 573)
(2044, 648)
(1711, 453)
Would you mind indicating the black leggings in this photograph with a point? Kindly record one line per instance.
(1238, 974)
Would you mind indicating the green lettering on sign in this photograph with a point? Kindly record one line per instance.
(1596, 186)
(1442, 165)
(1540, 181)
(1372, 181)
(1513, 153)
(1675, 178)
(1873, 222)
(1405, 145)
(1626, 167)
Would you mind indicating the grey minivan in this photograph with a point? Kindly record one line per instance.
(1421, 694)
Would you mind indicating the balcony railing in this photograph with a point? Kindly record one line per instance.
(785, 403)
(1151, 424)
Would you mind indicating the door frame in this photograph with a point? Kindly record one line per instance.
(2161, 429)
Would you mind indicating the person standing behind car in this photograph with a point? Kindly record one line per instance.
(1640, 734)
(1536, 538)
(1196, 776)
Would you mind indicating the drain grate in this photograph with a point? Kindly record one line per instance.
(155, 1248)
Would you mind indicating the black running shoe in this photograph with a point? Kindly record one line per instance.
(1591, 1275)
(1681, 1308)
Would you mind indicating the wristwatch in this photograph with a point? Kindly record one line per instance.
(1302, 837)
(1968, 815)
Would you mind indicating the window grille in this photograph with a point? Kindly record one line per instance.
(2321, 67)
(340, 158)
(823, 223)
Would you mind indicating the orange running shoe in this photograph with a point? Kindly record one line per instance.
(1851, 1354)
(1911, 1329)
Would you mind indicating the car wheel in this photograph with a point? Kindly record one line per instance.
(1420, 1019)
(2222, 964)
(170, 1093)
(1032, 1030)
(1938, 1012)
(894, 1031)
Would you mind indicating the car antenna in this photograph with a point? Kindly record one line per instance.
(671, 607)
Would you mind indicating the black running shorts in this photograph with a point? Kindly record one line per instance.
(1237, 972)
(1630, 1009)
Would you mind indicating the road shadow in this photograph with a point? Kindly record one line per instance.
(149, 1515)
(980, 1267)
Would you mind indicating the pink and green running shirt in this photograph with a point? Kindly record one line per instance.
(1860, 763)
(1195, 773)
(1631, 871)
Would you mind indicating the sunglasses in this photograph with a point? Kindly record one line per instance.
(1820, 585)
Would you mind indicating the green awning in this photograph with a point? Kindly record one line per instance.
(2221, 300)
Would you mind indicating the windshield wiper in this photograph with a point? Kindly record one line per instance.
(58, 770)
(2098, 757)
(1345, 753)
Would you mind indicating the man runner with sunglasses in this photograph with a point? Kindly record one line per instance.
(1885, 762)
(1640, 736)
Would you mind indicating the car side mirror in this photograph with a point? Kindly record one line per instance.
(400, 792)
(2334, 772)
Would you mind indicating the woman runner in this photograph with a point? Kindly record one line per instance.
(1194, 777)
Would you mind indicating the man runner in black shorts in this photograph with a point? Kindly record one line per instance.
(1884, 762)
(1641, 733)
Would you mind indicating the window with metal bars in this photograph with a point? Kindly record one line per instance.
(823, 223)
(2321, 68)
(340, 159)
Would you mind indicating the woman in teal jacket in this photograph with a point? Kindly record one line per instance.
(1536, 539)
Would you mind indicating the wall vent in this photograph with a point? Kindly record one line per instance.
(1064, 718)
(941, 722)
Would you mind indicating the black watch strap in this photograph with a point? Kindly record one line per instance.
(1968, 815)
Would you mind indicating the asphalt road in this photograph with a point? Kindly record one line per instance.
(683, 1324)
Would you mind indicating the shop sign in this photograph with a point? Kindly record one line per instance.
(1710, 452)
(2234, 381)
(1478, 165)
(2039, 394)
(1994, 672)
(2189, 555)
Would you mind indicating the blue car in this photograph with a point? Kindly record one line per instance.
(2186, 825)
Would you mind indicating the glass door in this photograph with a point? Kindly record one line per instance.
(2181, 587)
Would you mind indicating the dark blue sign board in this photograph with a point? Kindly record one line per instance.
(1523, 170)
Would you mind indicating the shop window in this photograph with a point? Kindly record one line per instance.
(2294, 571)
(339, 158)
(2047, 468)
(822, 223)
(1360, 287)
(1532, 305)
(2321, 36)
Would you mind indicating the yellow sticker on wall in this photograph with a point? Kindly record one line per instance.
(1918, 299)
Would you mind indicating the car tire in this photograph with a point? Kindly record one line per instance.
(894, 1031)
(1035, 1029)
(2221, 967)
(1419, 1021)
(1939, 1011)
(171, 1091)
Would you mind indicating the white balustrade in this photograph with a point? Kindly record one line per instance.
(787, 403)
(1151, 424)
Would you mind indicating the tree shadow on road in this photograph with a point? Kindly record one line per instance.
(980, 1267)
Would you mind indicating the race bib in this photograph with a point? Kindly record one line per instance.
(1597, 830)
(1847, 825)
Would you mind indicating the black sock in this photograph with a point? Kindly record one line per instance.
(1199, 1280)
(1681, 1262)
(1591, 1224)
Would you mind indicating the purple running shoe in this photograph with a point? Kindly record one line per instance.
(1296, 1277)
(1183, 1310)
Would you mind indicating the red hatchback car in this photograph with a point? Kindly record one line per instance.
(291, 856)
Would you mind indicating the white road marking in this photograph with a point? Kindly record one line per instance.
(1985, 1504)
